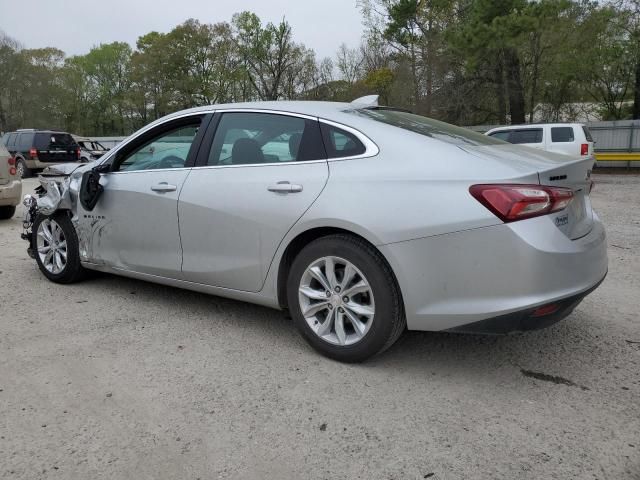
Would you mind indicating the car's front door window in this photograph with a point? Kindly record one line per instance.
(167, 150)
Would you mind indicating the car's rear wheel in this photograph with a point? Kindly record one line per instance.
(344, 298)
(56, 248)
(21, 169)
(7, 212)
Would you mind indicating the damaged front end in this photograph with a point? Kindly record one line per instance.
(59, 190)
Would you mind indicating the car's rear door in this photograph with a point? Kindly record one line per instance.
(261, 172)
(134, 224)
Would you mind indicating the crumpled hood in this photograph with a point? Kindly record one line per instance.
(64, 169)
(61, 184)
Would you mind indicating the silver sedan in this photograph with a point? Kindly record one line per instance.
(362, 221)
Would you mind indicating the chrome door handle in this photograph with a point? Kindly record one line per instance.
(285, 187)
(164, 187)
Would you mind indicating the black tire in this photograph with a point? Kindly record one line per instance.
(389, 321)
(21, 166)
(7, 212)
(73, 270)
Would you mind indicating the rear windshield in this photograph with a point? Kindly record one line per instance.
(427, 127)
(54, 140)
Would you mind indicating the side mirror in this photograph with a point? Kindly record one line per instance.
(90, 188)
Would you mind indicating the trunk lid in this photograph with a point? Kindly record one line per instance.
(553, 170)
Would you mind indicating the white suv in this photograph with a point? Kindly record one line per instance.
(10, 184)
(566, 138)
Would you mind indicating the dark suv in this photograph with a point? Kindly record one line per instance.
(36, 149)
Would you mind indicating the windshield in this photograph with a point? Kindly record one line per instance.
(428, 127)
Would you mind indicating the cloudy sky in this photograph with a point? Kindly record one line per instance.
(74, 26)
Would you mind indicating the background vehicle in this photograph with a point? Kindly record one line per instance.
(565, 138)
(36, 149)
(10, 185)
(360, 220)
(89, 149)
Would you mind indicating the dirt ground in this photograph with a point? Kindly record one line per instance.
(116, 378)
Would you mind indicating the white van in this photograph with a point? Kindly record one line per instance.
(567, 138)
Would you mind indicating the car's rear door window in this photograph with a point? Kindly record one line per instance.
(24, 141)
(11, 140)
(528, 135)
(587, 134)
(249, 138)
(562, 134)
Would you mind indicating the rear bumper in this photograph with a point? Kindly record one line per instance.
(525, 320)
(497, 273)
(11, 193)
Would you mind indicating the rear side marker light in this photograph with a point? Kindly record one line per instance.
(545, 310)
(584, 149)
(512, 202)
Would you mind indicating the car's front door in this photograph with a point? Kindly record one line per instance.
(261, 173)
(134, 224)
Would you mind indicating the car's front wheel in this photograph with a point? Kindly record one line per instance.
(344, 298)
(56, 248)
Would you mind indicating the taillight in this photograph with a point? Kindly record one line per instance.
(78, 153)
(11, 161)
(33, 153)
(584, 149)
(511, 202)
(12, 171)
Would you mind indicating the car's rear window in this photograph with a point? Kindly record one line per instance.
(587, 134)
(427, 127)
(562, 134)
(53, 140)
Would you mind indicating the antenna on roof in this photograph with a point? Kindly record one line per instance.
(366, 102)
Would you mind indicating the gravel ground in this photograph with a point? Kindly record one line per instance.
(117, 378)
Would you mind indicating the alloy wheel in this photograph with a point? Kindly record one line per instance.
(52, 246)
(336, 301)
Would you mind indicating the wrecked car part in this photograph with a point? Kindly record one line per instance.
(58, 190)
(90, 189)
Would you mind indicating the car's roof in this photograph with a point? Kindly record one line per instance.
(35, 130)
(336, 111)
(535, 125)
(292, 106)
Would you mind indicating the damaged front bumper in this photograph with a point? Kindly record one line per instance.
(58, 190)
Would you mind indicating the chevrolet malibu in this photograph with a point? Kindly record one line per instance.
(360, 220)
